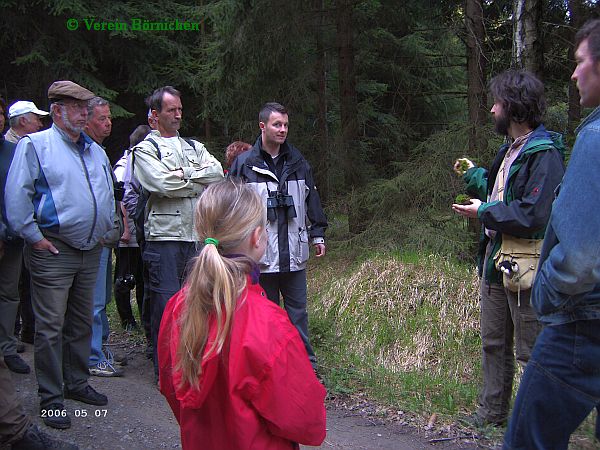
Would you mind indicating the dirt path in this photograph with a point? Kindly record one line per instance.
(138, 417)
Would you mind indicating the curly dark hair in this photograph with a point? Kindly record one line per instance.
(521, 94)
(590, 31)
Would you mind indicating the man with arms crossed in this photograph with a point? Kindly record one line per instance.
(174, 171)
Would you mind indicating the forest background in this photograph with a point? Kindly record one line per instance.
(383, 96)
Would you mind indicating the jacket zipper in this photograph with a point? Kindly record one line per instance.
(87, 177)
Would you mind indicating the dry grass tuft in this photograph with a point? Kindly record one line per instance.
(405, 316)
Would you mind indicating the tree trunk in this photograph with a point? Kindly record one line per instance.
(207, 128)
(347, 86)
(476, 74)
(576, 13)
(322, 169)
(528, 52)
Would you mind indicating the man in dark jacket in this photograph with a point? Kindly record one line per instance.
(281, 175)
(10, 272)
(512, 200)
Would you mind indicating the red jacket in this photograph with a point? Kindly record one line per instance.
(259, 393)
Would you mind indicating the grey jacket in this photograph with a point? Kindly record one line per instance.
(288, 228)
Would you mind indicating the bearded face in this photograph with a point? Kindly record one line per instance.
(501, 119)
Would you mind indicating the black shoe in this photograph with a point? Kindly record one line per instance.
(16, 364)
(20, 347)
(87, 395)
(55, 416)
(35, 439)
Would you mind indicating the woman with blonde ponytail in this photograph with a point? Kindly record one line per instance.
(232, 367)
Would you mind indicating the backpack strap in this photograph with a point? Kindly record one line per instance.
(153, 142)
(158, 154)
(190, 142)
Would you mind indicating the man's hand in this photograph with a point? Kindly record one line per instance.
(319, 250)
(469, 210)
(126, 231)
(45, 244)
(126, 235)
(178, 173)
(461, 165)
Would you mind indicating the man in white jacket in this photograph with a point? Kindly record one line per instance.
(174, 171)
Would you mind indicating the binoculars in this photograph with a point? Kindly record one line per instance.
(119, 190)
(125, 283)
(280, 201)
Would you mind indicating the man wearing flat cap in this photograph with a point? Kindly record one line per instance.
(23, 118)
(60, 200)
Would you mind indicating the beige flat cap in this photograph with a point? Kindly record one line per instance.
(68, 89)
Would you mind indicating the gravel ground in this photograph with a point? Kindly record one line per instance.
(138, 417)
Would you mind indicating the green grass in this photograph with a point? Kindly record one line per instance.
(402, 328)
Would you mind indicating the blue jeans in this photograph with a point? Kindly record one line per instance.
(100, 323)
(560, 387)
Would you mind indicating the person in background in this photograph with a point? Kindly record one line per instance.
(129, 267)
(232, 367)
(24, 118)
(10, 273)
(101, 362)
(136, 212)
(233, 150)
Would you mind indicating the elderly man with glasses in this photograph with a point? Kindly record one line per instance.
(59, 199)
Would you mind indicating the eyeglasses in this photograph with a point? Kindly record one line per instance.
(76, 106)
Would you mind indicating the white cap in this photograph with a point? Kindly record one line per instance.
(22, 107)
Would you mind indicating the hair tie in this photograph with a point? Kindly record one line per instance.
(212, 241)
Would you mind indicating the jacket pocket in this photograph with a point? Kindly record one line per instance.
(165, 225)
(191, 157)
(301, 255)
(40, 208)
(271, 251)
(586, 354)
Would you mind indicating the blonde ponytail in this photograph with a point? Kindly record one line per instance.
(227, 213)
